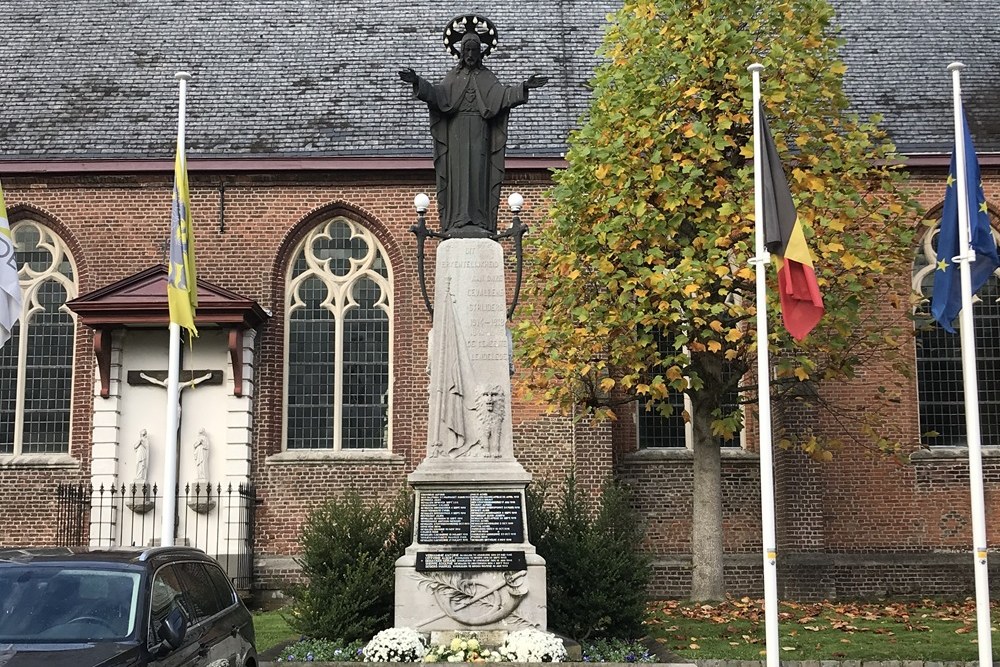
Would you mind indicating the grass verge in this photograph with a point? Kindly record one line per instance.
(734, 630)
(272, 629)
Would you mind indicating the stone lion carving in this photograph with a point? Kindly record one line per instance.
(489, 409)
(490, 406)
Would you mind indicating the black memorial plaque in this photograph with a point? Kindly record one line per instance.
(431, 561)
(482, 517)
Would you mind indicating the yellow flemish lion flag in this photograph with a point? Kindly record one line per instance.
(801, 301)
(10, 286)
(182, 285)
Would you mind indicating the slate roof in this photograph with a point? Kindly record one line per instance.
(294, 78)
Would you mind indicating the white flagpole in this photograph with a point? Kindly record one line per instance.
(167, 526)
(760, 262)
(971, 382)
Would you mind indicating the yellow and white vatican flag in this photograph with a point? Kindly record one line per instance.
(10, 286)
(182, 284)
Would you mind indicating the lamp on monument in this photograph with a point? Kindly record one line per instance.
(422, 202)
(515, 201)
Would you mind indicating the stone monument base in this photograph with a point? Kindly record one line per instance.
(470, 567)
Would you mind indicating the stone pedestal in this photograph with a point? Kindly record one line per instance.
(470, 566)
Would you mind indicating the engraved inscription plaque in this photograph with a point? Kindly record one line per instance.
(447, 517)
(479, 560)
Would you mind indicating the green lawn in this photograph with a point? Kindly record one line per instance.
(271, 628)
(734, 630)
(924, 630)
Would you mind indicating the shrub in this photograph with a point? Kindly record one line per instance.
(349, 551)
(597, 575)
(538, 516)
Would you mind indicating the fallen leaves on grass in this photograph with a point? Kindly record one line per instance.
(817, 616)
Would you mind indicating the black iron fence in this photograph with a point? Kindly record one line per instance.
(218, 520)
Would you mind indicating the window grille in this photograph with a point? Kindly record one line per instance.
(940, 390)
(338, 332)
(36, 364)
(656, 430)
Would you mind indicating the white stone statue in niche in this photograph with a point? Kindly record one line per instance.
(201, 446)
(141, 457)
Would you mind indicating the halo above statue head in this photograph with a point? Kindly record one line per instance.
(460, 26)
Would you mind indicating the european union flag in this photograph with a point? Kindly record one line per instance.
(946, 301)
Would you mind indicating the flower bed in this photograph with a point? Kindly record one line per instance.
(406, 645)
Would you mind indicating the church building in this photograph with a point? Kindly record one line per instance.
(309, 377)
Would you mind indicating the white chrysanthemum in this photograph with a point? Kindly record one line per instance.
(395, 645)
(532, 646)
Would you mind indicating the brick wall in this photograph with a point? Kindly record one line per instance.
(859, 504)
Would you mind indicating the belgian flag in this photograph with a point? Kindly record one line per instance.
(801, 302)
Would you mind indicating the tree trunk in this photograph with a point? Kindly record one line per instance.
(707, 579)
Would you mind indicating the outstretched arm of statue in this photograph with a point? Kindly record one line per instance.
(409, 76)
(536, 81)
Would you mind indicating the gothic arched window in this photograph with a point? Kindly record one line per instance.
(939, 357)
(36, 364)
(338, 333)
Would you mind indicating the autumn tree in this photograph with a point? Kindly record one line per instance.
(642, 284)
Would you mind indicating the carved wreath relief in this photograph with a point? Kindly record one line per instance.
(477, 598)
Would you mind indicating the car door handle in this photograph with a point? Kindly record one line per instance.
(235, 631)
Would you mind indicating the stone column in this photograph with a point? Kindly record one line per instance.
(470, 566)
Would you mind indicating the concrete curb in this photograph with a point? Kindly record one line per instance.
(696, 663)
(838, 663)
(505, 664)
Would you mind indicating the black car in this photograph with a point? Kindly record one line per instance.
(164, 606)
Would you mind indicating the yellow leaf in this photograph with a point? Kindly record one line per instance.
(734, 335)
(721, 270)
(690, 289)
(815, 183)
(716, 326)
(801, 373)
(607, 384)
(714, 346)
(602, 171)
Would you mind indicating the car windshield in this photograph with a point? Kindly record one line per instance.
(66, 603)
